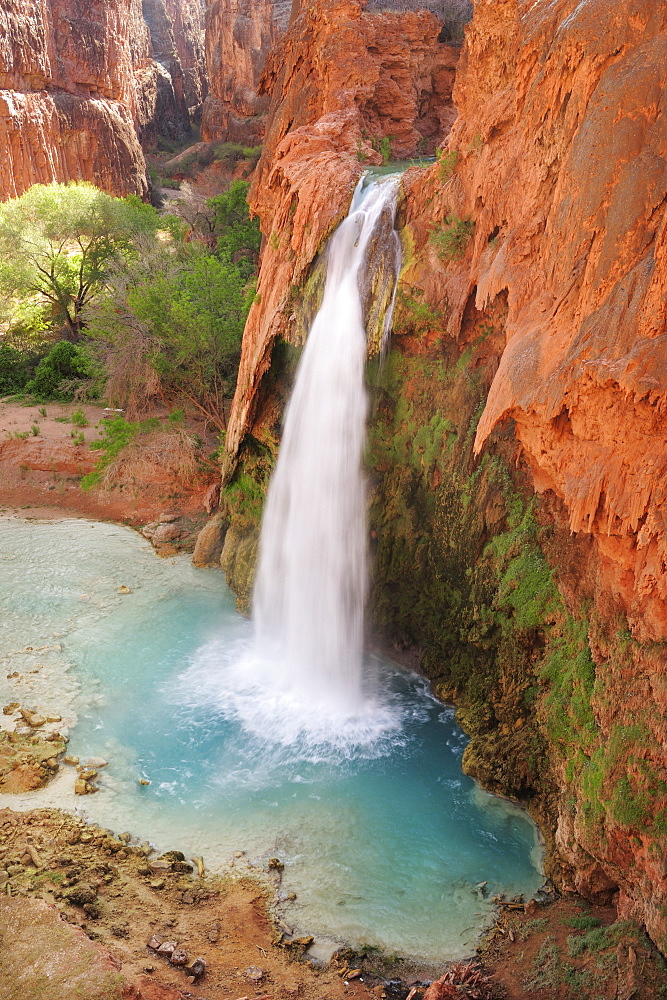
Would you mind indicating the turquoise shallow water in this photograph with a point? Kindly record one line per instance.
(383, 837)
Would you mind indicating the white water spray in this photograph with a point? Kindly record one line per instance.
(311, 581)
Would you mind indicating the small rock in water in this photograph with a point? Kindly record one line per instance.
(81, 787)
(144, 781)
(123, 590)
(11, 708)
(54, 718)
(172, 856)
(96, 762)
(275, 864)
(71, 759)
(254, 973)
(179, 957)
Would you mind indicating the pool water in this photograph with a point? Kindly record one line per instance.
(385, 841)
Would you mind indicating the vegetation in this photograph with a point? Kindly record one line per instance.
(447, 162)
(451, 238)
(149, 310)
(57, 243)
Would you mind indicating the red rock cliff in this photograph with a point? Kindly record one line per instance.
(239, 35)
(342, 79)
(561, 141)
(67, 94)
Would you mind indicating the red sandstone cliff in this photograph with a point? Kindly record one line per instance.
(561, 141)
(67, 94)
(239, 36)
(342, 79)
(79, 81)
(560, 163)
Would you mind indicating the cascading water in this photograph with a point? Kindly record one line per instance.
(311, 582)
(267, 741)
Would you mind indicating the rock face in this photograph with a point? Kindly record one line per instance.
(173, 81)
(67, 94)
(562, 180)
(239, 35)
(539, 245)
(79, 81)
(342, 80)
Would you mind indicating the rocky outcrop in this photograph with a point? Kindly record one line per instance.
(80, 81)
(556, 189)
(342, 81)
(239, 35)
(173, 82)
(67, 95)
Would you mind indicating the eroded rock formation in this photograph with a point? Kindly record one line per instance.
(558, 161)
(79, 81)
(342, 80)
(239, 35)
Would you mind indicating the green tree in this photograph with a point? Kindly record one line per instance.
(172, 328)
(239, 237)
(58, 241)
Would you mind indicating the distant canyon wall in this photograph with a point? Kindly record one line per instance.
(80, 83)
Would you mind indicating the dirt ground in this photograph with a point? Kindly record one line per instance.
(42, 462)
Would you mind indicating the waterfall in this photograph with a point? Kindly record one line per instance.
(308, 603)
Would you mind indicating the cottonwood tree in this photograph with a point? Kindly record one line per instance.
(58, 241)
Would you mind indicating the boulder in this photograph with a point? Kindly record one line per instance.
(210, 540)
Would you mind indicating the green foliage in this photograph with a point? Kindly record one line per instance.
(79, 419)
(585, 922)
(58, 240)
(65, 367)
(117, 434)
(175, 321)
(244, 498)
(451, 239)
(234, 151)
(385, 149)
(239, 237)
(447, 162)
(600, 938)
(14, 370)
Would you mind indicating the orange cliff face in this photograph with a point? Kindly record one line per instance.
(67, 94)
(238, 39)
(561, 145)
(79, 82)
(340, 80)
(561, 142)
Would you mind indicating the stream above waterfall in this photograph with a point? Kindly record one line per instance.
(384, 839)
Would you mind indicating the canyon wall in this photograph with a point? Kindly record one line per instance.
(342, 80)
(239, 35)
(518, 445)
(67, 94)
(79, 82)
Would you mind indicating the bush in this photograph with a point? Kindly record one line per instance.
(14, 371)
(451, 239)
(65, 363)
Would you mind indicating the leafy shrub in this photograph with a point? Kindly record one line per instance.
(65, 363)
(14, 371)
(447, 161)
(451, 239)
